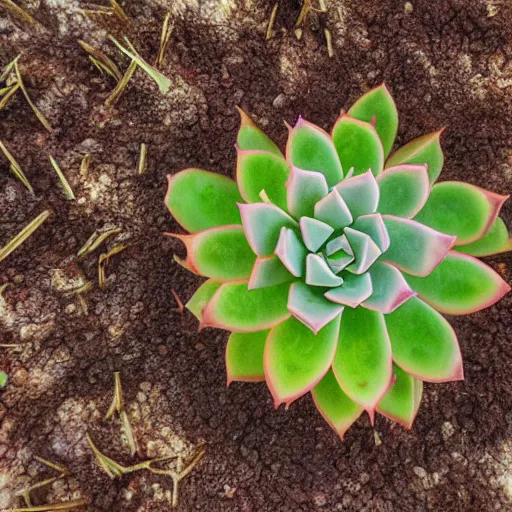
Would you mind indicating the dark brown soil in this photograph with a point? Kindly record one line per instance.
(447, 62)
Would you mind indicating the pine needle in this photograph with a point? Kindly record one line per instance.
(103, 262)
(84, 165)
(95, 240)
(100, 60)
(142, 158)
(165, 37)
(271, 21)
(128, 432)
(12, 90)
(23, 235)
(121, 85)
(164, 84)
(66, 505)
(117, 400)
(328, 40)
(65, 184)
(118, 11)
(36, 111)
(8, 68)
(18, 12)
(15, 167)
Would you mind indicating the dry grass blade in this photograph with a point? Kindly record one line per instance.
(118, 11)
(103, 262)
(328, 40)
(78, 291)
(121, 85)
(15, 167)
(67, 505)
(117, 400)
(18, 12)
(84, 165)
(38, 485)
(271, 21)
(95, 240)
(165, 37)
(102, 60)
(65, 184)
(63, 470)
(9, 95)
(128, 432)
(36, 111)
(8, 68)
(110, 466)
(142, 158)
(23, 235)
(2, 290)
(164, 84)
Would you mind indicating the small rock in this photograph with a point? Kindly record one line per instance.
(280, 101)
(319, 499)
(408, 8)
(420, 472)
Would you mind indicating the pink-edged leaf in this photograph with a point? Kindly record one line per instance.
(373, 226)
(349, 136)
(377, 106)
(334, 405)
(339, 261)
(291, 251)
(423, 150)
(424, 343)
(355, 290)
(360, 193)
(460, 285)
(495, 241)
(308, 305)
(221, 253)
(258, 170)
(415, 248)
(403, 190)
(365, 251)
(314, 232)
(390, 289)
(262, 225)
(340, 243)
(200, 200)
(311, 148)
(402, 402)
(202, 296)
(268, 272)
(250, 137)
(296, 359)
(244, 356)
(461, 209)
(235, 308)
(318, 272)
(333, 211)
(362, 364)
(304, 189)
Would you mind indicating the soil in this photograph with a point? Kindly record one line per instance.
(447, 62)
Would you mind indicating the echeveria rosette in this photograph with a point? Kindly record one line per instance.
(330, 263)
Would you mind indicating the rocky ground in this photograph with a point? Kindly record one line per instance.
(447, 62)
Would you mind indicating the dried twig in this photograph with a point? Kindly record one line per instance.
(121, 85)
(167, 28)
(142, 158)
(15, 167)
(18, 239)
(65, 184)
(101, 60)
(271, 21)
(36, 111)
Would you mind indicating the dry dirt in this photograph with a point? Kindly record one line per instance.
(447, 62)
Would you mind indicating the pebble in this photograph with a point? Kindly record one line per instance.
(420, 472)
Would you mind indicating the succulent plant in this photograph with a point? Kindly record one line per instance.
(331, 264)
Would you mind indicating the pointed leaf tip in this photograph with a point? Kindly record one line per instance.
(250, 137)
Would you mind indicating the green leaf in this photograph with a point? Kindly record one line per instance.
(291, 251)
(200, 200)
(311, 149)
(403, 190)
(373, 225)
(296, 359)
(304, 190)
(378, 104)
(318, 273)
(415, 248)
(250, 137)
(3, 380)
(244, 356)
(334, 405)
(495, 241)
(358, 145)
(221, 253)
(402, 401)
(360, 193)
(202, 296)
(332, 210)
(365, 250)
(423, 150)
(424, 343)
(362, 363)
(235, 308)
(260, 170)
(314, 233)
(354, 290)
(461, 209)
(460, 285)
(268, 272)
